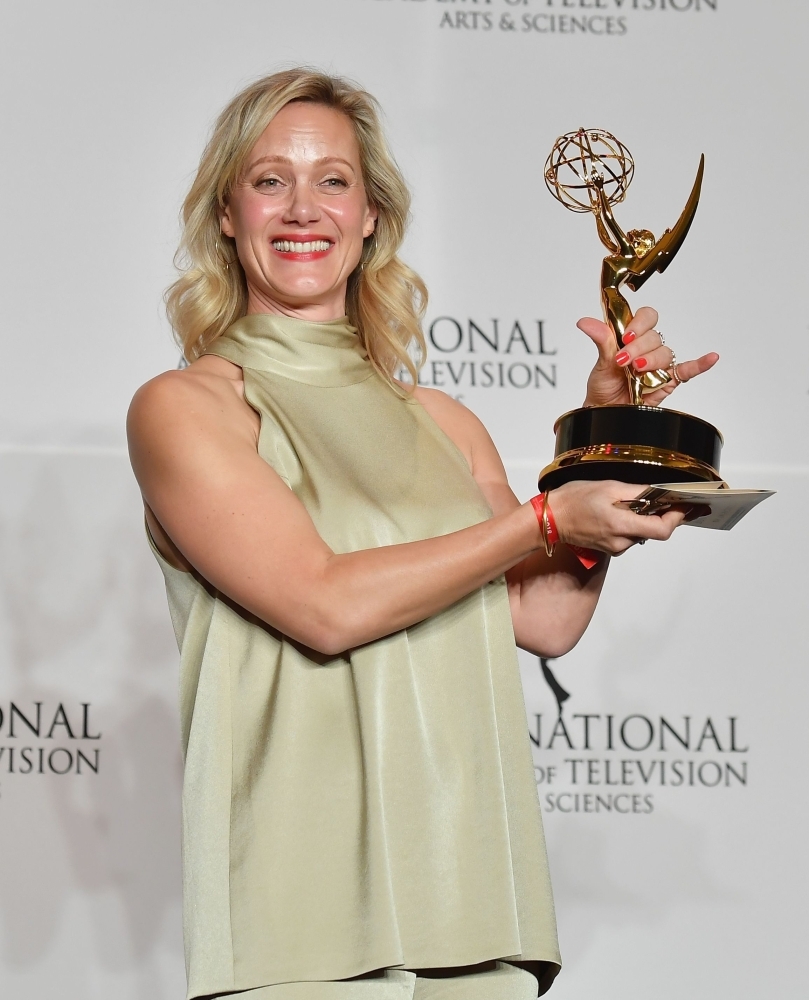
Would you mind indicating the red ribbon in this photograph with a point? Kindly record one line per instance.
(587, 557)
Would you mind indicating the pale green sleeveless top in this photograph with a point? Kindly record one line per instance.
(378, 808)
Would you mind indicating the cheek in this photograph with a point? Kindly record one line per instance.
(251, 216)
(352, 219)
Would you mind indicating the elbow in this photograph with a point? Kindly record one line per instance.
(322, 636)
(562, 645)
(334, 631)
(550, 645)
(330, 642)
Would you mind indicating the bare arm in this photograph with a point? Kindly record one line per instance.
(230, 516)
(552, 600)
(240, 526)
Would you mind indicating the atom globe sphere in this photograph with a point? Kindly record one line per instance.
(577, 157)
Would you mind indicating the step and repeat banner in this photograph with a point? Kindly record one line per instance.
(670, 745)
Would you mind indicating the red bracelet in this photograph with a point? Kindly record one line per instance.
(538, 503)
(550, 533)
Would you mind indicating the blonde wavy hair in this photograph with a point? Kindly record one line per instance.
(385, 299)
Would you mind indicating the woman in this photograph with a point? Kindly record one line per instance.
(347, 570)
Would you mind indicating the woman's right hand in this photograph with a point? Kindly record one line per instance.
(586, 515)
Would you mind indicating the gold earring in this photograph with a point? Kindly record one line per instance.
(372, 238)
(221, 256)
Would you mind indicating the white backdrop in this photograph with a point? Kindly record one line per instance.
(666, 886)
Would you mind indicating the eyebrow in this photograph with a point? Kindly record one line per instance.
(285, 159)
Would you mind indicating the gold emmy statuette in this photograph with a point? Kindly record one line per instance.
(590, 171)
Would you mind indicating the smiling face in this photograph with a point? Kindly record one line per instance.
(299, 213)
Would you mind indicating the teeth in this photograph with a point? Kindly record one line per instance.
(313, 246)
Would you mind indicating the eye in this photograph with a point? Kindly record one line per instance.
(334, 183)
(269, 183)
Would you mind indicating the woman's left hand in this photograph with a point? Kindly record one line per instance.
(644, 351)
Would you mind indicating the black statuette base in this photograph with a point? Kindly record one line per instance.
(633, 444)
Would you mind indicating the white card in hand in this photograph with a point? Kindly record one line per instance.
(726, 506)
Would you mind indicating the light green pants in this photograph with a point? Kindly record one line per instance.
(504, 982)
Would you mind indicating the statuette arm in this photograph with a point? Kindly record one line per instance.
(610, 233)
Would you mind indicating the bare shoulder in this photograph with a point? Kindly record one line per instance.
(443, 407)
(201, 380)
(436, 399)
(198, 409)
(164, 394)
(203, 393)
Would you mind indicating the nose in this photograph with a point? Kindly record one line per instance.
(302, 209)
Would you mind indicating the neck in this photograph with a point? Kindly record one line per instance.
(334, 307)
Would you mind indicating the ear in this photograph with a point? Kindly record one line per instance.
(369, 222)
(226, 223)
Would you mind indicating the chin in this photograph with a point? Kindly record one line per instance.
(297, 297)
(308, 293)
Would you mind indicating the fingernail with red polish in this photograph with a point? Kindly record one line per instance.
(628, 337)
(640, 363)
(622, 358)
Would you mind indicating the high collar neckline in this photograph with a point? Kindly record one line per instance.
(324, 354)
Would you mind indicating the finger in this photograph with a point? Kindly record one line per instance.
(649, 361)
(687, 370)
(696, 511)
(662, 526)
(659, 395)
(675, 516)
(658, 527)
(643, 342)
(645, 319)
(601, 335)
(616, 490)
(644, 351)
